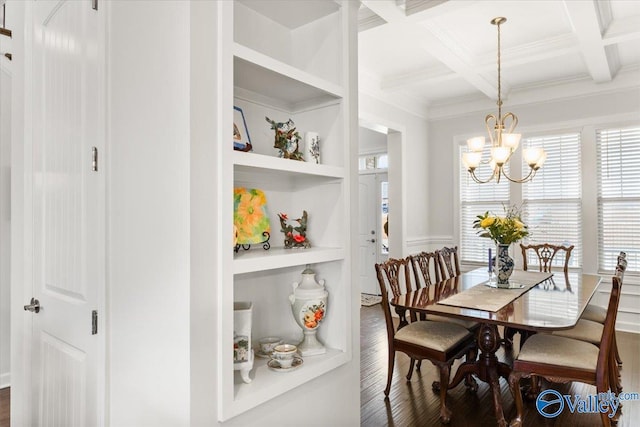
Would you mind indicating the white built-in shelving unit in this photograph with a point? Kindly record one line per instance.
(287, 59)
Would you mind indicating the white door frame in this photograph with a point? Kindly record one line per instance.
(396, 150)
(20, 134)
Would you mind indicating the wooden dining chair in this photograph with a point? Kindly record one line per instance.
(449, 262)
(591, 331)
(439, 342)
(545, 254)
(561, 359)
(426, 269)
(596, 313)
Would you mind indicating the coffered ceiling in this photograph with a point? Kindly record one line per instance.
(439, 57)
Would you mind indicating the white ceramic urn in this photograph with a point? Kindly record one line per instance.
(309, 305)
(242, 350)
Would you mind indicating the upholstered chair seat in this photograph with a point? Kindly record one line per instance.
(585, 330)
(439, 336)
(595, 313)
(561, 351)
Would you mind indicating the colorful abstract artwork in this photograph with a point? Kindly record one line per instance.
(250, 216)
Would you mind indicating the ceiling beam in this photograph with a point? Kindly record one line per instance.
(436, 42)
(587, 21)
(622, 30)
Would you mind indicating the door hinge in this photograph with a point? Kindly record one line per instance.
(94, 322)
(94, 4)
(94, 159)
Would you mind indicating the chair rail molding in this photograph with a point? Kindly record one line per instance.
(427, 243)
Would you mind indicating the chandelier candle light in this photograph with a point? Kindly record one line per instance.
(503, 142)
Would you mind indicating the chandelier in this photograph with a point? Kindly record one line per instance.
(503, 142)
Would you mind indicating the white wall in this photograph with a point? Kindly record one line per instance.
(371, 141)
(5, 226)
(409, 160)
(148, 213)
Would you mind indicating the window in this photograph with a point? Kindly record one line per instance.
(373, 161)
(618, 153)
(476, 199)
(551, 202)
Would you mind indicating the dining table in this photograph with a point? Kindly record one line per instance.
(534, 301)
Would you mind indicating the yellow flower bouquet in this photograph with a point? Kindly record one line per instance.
(503, 230)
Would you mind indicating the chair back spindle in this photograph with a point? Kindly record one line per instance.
(449, 262)
(426, 268)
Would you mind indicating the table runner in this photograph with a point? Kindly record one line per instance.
(486, 298)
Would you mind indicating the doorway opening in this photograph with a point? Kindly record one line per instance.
(380, 201)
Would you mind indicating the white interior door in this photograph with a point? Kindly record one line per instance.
(67, 209)
(368, 234)
(374, 239)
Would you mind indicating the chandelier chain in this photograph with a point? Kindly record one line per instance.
(499, 79)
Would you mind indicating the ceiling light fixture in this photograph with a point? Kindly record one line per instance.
(503, 143)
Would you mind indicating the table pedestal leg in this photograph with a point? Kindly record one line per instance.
(487, 368)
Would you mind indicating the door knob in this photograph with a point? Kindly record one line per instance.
(373, 240)
(34, 306)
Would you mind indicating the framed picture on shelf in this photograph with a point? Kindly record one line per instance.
(241, 139)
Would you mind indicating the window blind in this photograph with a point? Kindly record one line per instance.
(552, 206)
(476, 199)
(618, 196)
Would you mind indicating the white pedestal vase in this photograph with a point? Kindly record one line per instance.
(242, 350)
(309, 305)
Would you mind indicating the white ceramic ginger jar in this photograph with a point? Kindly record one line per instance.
(309, 305)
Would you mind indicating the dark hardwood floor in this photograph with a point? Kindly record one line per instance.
(415, 404)
(5, 399)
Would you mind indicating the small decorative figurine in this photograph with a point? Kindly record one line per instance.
(294, 237)
(286, 139)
